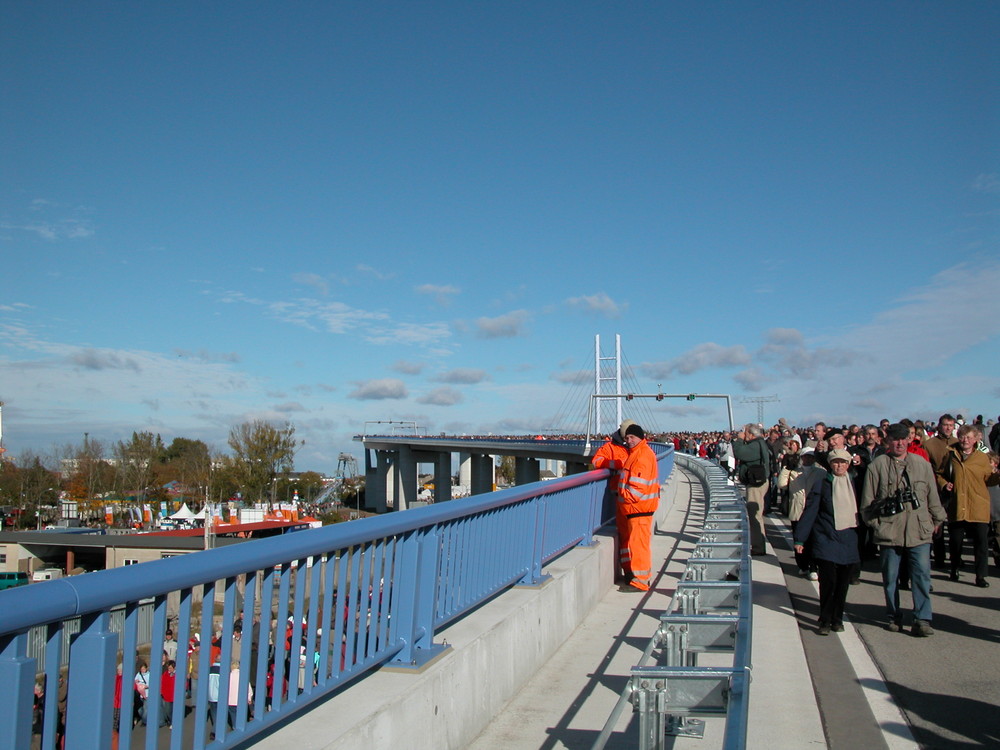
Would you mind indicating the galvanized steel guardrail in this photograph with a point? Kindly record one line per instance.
(709, 614)
(319, 609)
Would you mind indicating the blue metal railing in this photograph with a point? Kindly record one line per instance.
(318, 609)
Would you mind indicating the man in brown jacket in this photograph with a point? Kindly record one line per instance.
(966, 473)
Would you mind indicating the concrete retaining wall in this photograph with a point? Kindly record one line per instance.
(494, 651)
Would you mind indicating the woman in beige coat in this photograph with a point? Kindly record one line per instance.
(965, 474)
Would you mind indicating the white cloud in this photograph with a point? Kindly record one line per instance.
(599, 304)
(203, 355)
(339, 318)
(103, 359)
(958, 309)
(378, 390)
(369, 270)
(752, 379)
(913, 358)
(787, 351)
(444, 396)
(313, 280)
(288, 407)
(442, 293)
(334, 317)
(703, 356)
(463, 376)
(409, 333)
(408, 368)
(112, 391)
(987, 183)
(503, 326)
(51, 221)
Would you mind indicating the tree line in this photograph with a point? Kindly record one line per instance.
(136, 471)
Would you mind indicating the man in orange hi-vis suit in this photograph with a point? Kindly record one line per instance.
(638, 499)
(612, 456)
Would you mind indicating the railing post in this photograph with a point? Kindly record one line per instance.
(17, 676)
(415, 611)
(90, 703)
(592, 519)
(533, 576)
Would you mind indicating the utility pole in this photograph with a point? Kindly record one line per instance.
(760, 401)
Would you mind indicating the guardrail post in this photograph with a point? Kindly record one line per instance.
(652, 719)
(90, 702)
(711, 612)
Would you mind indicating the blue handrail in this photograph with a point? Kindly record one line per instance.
(318, 609)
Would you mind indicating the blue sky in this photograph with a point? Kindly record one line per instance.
(330, 213)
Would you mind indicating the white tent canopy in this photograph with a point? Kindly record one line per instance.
(184, 514)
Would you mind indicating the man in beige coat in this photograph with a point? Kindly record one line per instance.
(900, 503)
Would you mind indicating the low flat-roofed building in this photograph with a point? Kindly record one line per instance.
(85, 550)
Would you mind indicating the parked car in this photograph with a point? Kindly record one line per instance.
(10, 580)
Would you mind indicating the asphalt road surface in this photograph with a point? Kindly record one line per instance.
(947, 686)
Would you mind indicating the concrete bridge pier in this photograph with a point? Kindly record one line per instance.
(442, 477)
(527, 470)
(377, 466)
(405, 480)
(477, 472)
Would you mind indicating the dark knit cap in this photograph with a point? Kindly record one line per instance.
(897, 431)
(634, 429)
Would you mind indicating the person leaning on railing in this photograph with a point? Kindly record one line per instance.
(611, 456)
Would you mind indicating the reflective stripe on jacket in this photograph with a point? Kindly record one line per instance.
(638, 481)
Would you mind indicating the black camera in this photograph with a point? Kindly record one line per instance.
(907, 495)
(897, 502)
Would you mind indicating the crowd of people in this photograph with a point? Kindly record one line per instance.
(908, 493)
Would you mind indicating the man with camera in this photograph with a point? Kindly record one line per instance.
(900, 503)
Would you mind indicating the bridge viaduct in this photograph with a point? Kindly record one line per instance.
(391, 464)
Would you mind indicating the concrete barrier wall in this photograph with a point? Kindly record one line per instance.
(494, 651)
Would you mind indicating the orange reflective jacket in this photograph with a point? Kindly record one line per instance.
(638, 481)
(611, 456)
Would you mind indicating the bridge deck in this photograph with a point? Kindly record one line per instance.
(865, 687)
(568, 702)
